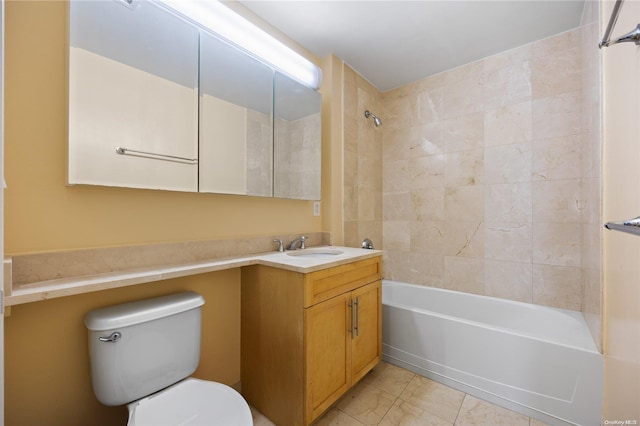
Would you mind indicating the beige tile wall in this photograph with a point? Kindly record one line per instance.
(362, 204)
(490, 174)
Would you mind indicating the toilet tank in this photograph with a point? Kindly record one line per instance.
(141, 347)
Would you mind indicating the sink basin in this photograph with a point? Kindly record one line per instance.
(315, 252)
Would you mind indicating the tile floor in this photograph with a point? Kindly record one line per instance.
(391, 395)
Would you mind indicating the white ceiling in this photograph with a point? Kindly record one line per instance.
(392, 42)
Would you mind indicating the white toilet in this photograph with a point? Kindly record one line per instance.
(142, 354)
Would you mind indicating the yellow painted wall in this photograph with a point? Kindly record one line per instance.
(43, 214)
(47, 380)
(621, 200)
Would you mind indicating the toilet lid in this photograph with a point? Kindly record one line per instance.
(192, 402)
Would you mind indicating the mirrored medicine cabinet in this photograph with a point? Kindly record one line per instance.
(157, 102)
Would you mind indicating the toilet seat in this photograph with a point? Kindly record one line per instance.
(191, 402)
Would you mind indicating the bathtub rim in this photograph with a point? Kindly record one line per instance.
(589, 346)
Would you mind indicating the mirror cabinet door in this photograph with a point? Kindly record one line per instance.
(236, 133)
(297, 140)
(133, 73)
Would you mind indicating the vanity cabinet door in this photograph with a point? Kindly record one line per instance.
(327, 352)
(367, 342)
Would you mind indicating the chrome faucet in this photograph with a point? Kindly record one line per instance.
(297, 243)
(280, 245)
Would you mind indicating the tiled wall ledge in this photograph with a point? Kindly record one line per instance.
(41, 276)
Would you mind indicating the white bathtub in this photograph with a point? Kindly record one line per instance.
(536, 360)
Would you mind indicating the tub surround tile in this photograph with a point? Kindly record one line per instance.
(464, 274)
(557, 286)
(558, 201)
(427, 139)
(508, 241)
(557, 115)
(464, 239)
(508, 125)
(509, 280)
(557, 158)
(508, 163)
(556, 244)
(427, 237)
(427, 172)
(464, 132)
(464, 168)
(508, 202)
(512, 141)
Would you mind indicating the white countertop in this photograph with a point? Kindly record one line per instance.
(62, 287)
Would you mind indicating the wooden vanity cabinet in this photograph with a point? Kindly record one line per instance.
(308, 338)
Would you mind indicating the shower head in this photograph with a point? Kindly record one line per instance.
(376, 120)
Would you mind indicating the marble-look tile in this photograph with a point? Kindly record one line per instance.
(464, 132)
(424, 269)
(427, 105)
(396, 235)
(557, 286)
(427, 139)
(396, 143)
(388, 377)
(463, 97)
(335, 417)
(475, 412)
(506, 59)
(464, 274)
(366, 403)
(464, 203)
(508, 280)
(507, 163)
(557, 115)
(508, 202)
(508, 125)
(396, 176)
(508, 241)
(556, 72)
(427, 237)
(463, 239)
(405, 414)
(427, 204)
(557, 244)
(427, 172)
(464, 168)
(557, 201)
(433, 397)
(397, 206)
(507, 84)
(557, 158)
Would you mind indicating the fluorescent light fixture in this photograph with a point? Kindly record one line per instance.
(218, 18)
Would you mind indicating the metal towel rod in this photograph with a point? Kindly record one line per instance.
(126, 151)
(631, 226)
(633, 36)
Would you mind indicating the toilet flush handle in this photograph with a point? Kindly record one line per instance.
(114, 337)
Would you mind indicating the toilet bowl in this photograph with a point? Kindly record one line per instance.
(142, 354)
(191, 402)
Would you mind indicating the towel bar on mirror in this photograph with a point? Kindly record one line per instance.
(126, 151)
